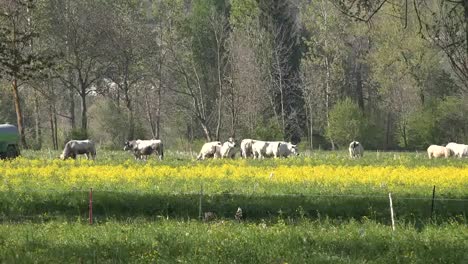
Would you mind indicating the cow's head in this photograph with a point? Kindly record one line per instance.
(128, 145)
(355, 144)
(233, 141)
(293, 149)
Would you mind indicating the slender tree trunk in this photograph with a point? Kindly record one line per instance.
(19, 113)
(233, 112)
(220, 94)
(327, 78)
(150, 118)
(158, 109)
(72, 109)
(311, 126)
(206, 130)
(359, 88)
(131, 117)
(387, 132)
(37, 121)
(51, 123)
(56, 145)
(53, 126)
(466, 25)
(327, 98)
(281, 90)
(84, 111)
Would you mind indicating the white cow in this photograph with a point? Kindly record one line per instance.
(210, 150)
(144, 148)
(228, 149)
(459, 150)
(435, 151)
(262, 149)
(246, 148)
(356, 150)
(79, 147)
(286, 149)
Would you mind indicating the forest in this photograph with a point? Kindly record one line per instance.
(392, 74)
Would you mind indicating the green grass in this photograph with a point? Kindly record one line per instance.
(339, 158)
(42, 225)
(229, 242)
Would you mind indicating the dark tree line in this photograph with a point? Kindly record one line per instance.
(390, 74)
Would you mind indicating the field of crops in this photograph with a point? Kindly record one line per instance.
(324, 199)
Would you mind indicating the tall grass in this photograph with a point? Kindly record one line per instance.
(230, 242)
(338, 158)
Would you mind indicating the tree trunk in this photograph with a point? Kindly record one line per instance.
(359, 89)
(158, 109)
(53, 126)
(37, 121)
(56, 145)
(72, 110)
(84, 112)
(220, 94)
(311, 126)
(150, 118)
(19, 113)
(387, 132)
(466, 25)
(131, 117)
(51, 123)
(206, 130)
(327, 98)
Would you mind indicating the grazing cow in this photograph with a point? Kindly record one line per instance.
(356, 150)
(459, 150)
(228, 149)
(210, 150)
(79, 147)
(262, 149)
(144, 148)
(435, 151)
(286, 149)
(246, 148)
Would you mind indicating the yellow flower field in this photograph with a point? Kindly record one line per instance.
(232, 176)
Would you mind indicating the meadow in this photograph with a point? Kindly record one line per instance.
(322, 206)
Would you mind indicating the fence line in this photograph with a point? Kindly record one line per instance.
(259, 194)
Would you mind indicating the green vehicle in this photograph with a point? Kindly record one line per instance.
(9, 142)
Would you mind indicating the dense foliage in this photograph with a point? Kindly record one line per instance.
(195, 70)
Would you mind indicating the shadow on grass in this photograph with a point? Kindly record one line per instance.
(121, 206)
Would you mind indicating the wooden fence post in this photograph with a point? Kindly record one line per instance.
(391, 211)
(200, 203)
(433, 200)
(91, 206)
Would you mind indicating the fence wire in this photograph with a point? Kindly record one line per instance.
(396, 196)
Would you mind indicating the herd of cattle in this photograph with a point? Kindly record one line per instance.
(256, 149)
(249, 148)
(451, 149)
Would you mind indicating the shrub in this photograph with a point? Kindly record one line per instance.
(347, 123)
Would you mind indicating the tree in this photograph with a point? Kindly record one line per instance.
(77, 29)
(18, 61)
(443, 23)
(322, 66)
(347, 122)
(126, 50)
(278, 18)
